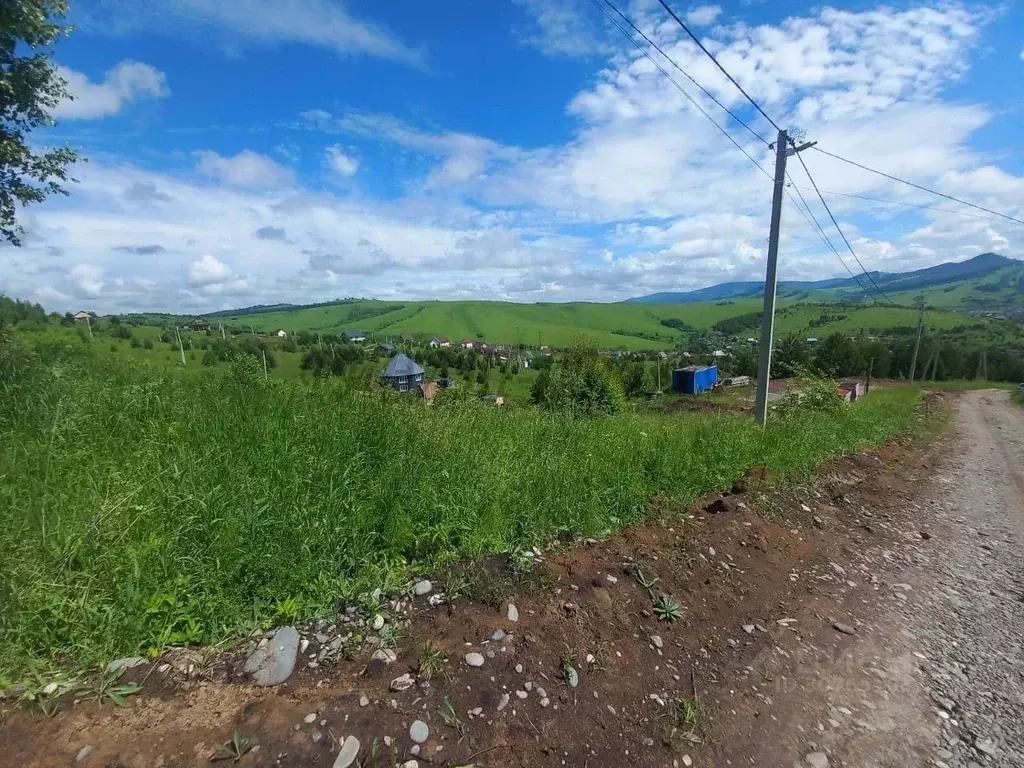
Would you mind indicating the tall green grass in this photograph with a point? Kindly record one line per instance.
(140, 508)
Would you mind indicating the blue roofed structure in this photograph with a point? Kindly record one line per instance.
(403, 373)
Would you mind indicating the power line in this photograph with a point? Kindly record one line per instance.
(813, 223)
(840, 230)
(903, 203)
(712, 57)
(674, 82)
(687, 74)
(918, 186)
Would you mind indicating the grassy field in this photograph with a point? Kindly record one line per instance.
(144, 506)
(612, 326)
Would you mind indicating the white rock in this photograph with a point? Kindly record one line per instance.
(84, 752)
(475, 659)
(378, 623)
(749, 628)
(503, 701)
(363, 701)
(410, 764)
(348, 753)
(419, 731)
(403, 683)
(519, 669)
(687, 761)
(572, 677)
(310, 718)
(657, 642)
(512, 613)
(545, 703)
(49, 689)
(386, 655)
(816, 760)
(422, 587)
(611, 579)
(522, 694)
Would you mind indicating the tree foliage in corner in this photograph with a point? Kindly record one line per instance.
(30, 88)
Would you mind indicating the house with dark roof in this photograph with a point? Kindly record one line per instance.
(355, 335)
(199, 324)
(403, 374)
(387, 349)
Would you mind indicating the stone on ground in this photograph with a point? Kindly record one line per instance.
(513, 613)
(419, 731)
(422, 587)
(275, 662)
(348, 753)
(846, 629)
(475, 659)
(129, 662)
(816, 760)
(84, 752)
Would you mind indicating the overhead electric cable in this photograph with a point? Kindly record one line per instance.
(919, 186)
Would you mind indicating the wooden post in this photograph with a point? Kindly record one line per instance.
(867, 384)
(181, 347)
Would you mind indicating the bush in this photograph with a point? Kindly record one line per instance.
(582, 383)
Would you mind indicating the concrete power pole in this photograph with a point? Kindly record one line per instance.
(782, 151)
(917, 346)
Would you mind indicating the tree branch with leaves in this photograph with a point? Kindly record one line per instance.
(30, 89)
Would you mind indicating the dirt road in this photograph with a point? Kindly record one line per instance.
(933, 673)
(872, 617)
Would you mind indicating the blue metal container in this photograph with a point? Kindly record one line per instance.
(694, 379)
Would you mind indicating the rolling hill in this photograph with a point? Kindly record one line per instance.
(612, 326)
(987, 282)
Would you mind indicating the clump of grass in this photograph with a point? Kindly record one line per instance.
(451, 718)
(142, 508)
(432, 661)
(687, 720)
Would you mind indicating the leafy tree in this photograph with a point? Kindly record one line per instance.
(30, 88)
(582, 382)
(790, 355)
(481, 378)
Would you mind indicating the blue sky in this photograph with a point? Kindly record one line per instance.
(257, 151)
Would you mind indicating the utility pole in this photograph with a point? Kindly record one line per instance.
(867, 384)
(917, 345)
(782, 151)
(263, 352)
(88, 324)
(222, 335)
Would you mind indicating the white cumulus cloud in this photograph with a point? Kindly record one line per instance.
(246, 169)
(126, 82)
(339, 162)
(703, 15)
(208, 271)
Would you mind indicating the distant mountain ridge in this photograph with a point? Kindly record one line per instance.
(1008, 291)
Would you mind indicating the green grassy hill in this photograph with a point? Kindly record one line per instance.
(622, 326)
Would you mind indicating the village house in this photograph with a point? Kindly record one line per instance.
(403, 373)
(466, 343)
(439, 342)
(81, 316)
(355, 336)
(198, 325)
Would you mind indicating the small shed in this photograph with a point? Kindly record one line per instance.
(282, 333)
(199, 324)
(694, 379)
(81, 316)
(403, 373)
(387, 349)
